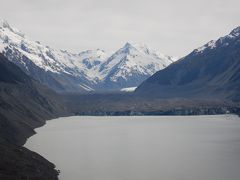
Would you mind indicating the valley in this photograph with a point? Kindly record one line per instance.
(39, 83)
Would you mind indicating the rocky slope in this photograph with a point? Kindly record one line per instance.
(24, 105)
(86, 71)
(211, 71)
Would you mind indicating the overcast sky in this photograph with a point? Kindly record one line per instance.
(174, 27)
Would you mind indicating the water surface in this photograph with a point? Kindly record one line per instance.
(142, 148)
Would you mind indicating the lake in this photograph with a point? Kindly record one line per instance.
(142, 147)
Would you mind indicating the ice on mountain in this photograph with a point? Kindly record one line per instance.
(95, 66)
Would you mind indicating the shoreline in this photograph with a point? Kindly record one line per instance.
(38, 158)
(99, 122)
(171, 112)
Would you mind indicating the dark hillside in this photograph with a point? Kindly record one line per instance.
(24, 105)
(212, 71)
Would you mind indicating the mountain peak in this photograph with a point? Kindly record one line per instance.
(126, 49)
(136, 46)
(236, 31)
(140, 47)
(128, 45)
(4, 24)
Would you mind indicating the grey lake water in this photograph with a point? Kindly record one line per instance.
(142, 148)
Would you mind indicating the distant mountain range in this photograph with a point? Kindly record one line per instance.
(211, 71)
(90, 70)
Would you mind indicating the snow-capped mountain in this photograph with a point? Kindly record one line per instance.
(85, 71)
(60, 70)
(221, 42)
(131, 65)
(211, 71)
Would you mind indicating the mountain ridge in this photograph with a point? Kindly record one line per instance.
(85, 71)
(211, 71)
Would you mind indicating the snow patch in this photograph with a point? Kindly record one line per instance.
(209, 45)
(129, 89)
(87, 88)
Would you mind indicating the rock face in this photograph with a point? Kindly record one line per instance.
(90, 70)
(212, 70)
(24, 105)
(20, 163)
